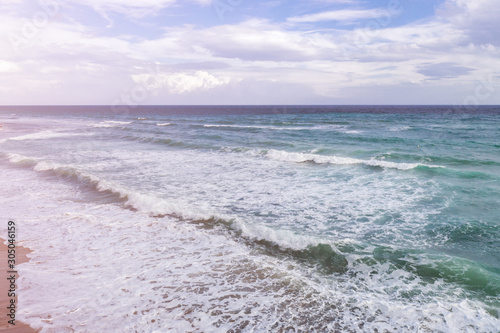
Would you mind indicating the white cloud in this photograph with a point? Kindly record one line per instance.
(120, 4)
(256, 40)
(8, 67)
(254, 61)
(180, 83)
(478, 20)
(348, 15)
(338, 1)
(132, 8)
(10, 2)
(433, 34)
(204, 2)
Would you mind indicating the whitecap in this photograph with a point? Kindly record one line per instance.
(337, 160)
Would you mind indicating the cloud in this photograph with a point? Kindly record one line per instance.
(428, 35)
(479, 19)
(246, 92)
(203, 2)
(251, 61)
(256, 42)
(180, 83)
(253, 40)
(8, 67)
(127, 7)
(444, 70)
(338, 1)
(133, 8)
(10, 2)
(344, 15)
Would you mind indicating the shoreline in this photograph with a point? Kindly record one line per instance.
(21, 257)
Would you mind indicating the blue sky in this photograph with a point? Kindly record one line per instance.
(249, 52)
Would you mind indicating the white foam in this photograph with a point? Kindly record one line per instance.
(118, 122)
(102, 125)
(111, 123)
(17, 158)
(399, 128)
(264, 127)
(46, 166)
(39, 136)
(163, 124)
(155, 206)
(284, 238)
(118, 270)
(281, 155)
(240, 126)
(142, 202)
(285, 156)
(209, 126)
(337, 128)
(395, 165)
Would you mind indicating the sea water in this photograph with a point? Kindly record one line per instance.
(255, 219)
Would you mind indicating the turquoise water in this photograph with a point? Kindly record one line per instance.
(358, 218)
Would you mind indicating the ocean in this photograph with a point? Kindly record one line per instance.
(255, 218)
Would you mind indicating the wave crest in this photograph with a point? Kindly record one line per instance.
(336, 160)
(39, 136)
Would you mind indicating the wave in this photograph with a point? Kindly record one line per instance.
(328, 127)
(252, 127)
(463, 162)
(319, 252)
(163, 124)
(462, 174)
(111, 123)
(454, 270)
(20, 159)
(400, 128)
(166, 142)
(131, 199)
(373, 266)
(209, 126)
(456, 167)
(332, 127)
(325, 255)
(336, 160)
(322, 254)
(39, 136)
(263, 127)
(325, 258)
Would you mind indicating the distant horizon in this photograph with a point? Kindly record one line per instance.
(244, 105)
(123, 111)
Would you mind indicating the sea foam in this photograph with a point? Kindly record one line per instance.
(336, 160)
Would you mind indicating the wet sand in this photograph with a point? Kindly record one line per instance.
(21, 257)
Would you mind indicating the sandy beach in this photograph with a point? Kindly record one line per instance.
(21, 257)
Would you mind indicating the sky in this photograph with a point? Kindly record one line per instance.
(172, 52)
